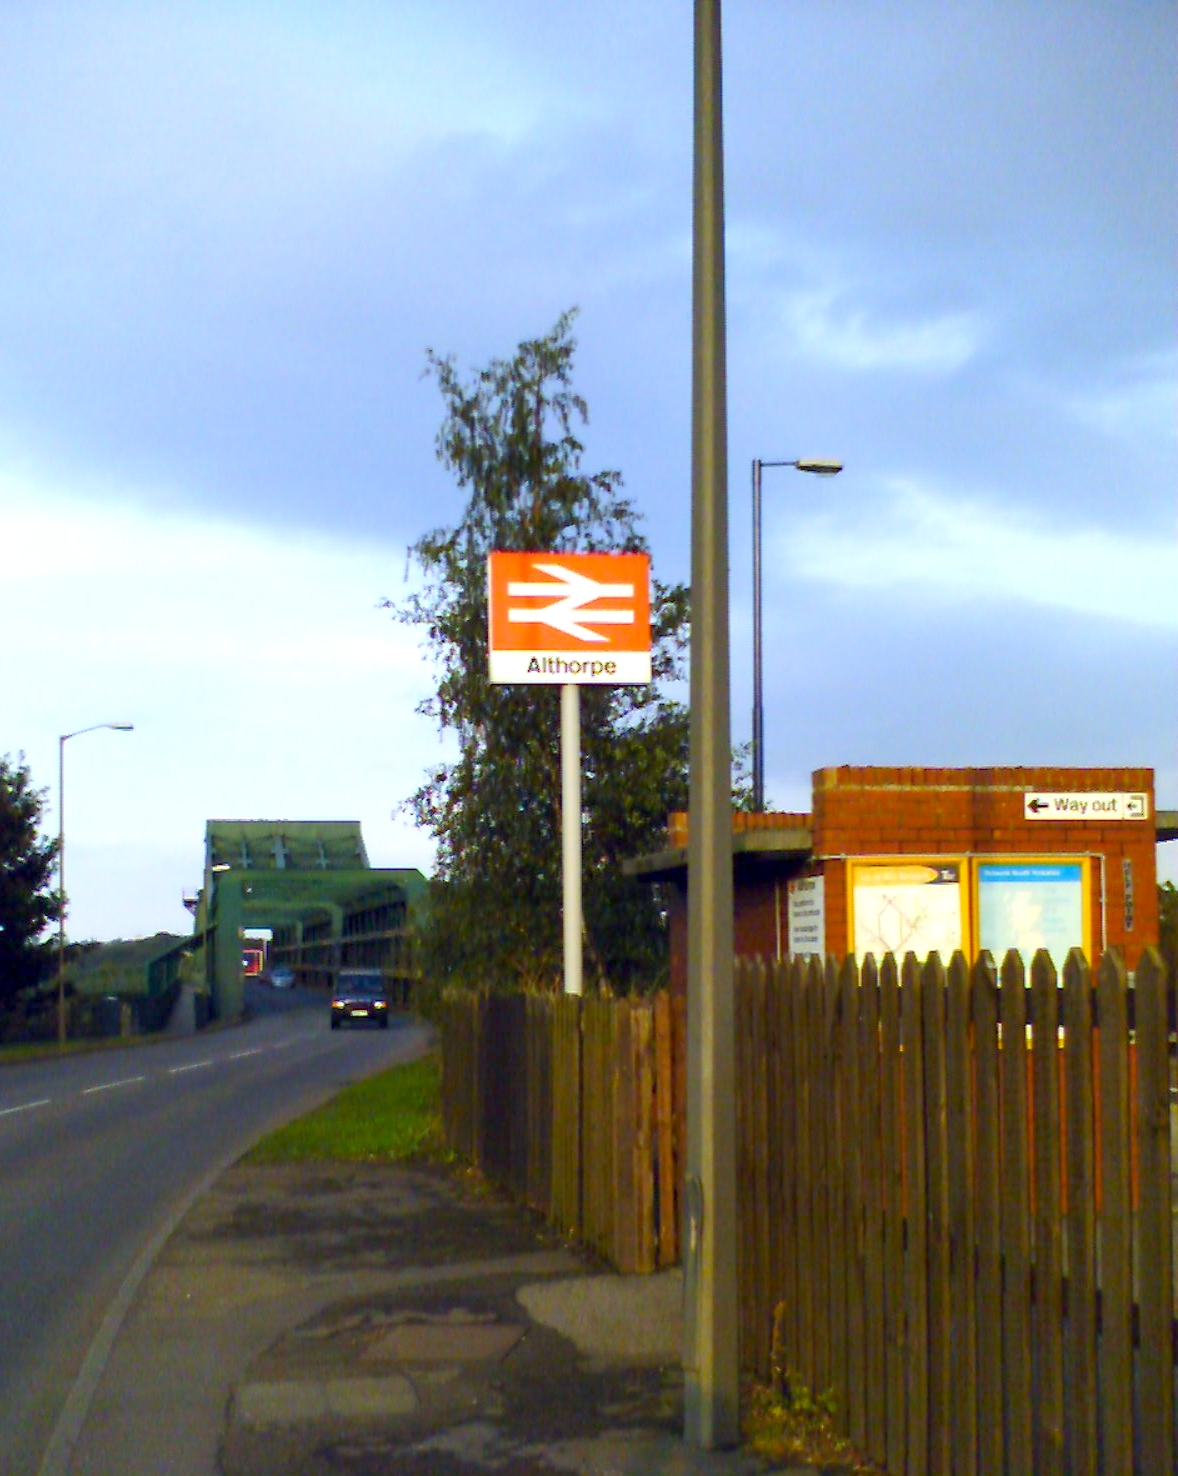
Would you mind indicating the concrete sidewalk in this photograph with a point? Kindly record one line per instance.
(303, 1321)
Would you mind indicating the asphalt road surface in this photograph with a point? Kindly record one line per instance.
(99, 1155)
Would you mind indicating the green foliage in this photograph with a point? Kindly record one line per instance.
(117, 967)
(793, 1426)
(742, 779)
(385, 1118)
(509, 436)
(1168, 925)
(27, 903)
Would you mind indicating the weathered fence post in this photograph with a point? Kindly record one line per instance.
(1116, 1282)
(1016, 1212)
(1155, 1295)
(668, 1163)
(1048, 1224)
(852, 1129)
(789, 981)
(991, 1438)
(836, 1145)
(916, 1218)
(891, 1093)
(870, 1117)
(936, 1135)
(1081, 1225)
(960, 1128)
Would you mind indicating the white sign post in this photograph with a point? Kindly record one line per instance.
(570, 835)
(568, 620)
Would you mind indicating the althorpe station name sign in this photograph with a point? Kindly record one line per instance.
(569, 618)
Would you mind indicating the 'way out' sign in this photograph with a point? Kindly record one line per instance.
(569, 619)
(1085, 805)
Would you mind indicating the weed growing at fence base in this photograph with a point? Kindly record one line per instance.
(385, 1119)
(796, 1428)
(785, 1422)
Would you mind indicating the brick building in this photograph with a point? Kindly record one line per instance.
(899, 859)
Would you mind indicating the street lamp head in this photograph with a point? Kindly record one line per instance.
(820, 468)
(94, 728)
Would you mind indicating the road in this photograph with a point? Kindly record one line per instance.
(100, 1153)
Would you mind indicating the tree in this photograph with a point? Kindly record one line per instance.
(1168, 925)
(509, 436)
(27, 904)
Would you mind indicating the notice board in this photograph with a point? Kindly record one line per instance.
(908, 905)
(1030, 903)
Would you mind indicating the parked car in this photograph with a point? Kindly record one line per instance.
(282, 977)
(359, 997)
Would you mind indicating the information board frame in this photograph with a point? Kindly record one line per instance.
(868, 873)
(1053, 867)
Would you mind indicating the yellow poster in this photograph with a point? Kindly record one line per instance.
(902, 906)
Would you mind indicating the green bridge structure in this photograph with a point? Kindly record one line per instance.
(310, 882)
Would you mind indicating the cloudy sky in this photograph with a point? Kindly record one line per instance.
(230, 231)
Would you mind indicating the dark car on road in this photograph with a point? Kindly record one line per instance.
(359, 998)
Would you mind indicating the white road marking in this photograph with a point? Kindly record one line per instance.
(25, 1106)
(109, 1086)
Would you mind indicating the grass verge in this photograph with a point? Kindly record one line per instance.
(384, 1119)
(48, 1050)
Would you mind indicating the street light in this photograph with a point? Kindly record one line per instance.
(61, 742)
(818, 469)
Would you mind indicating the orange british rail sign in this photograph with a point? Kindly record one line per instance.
(569, 618)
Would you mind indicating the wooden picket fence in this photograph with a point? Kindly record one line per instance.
(956, 1203)
(569, 1105)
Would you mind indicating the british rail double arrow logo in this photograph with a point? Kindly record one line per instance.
(567, 612)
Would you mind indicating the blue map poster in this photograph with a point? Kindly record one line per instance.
(1030, 905)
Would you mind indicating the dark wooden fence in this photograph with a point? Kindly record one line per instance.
(956, 1208)
(569, 1105)
(956, 1203)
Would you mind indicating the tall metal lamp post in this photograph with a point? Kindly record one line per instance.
(817, 468)
(61, 743)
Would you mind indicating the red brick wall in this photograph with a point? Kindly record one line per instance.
(754, 924)
(755, 915)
